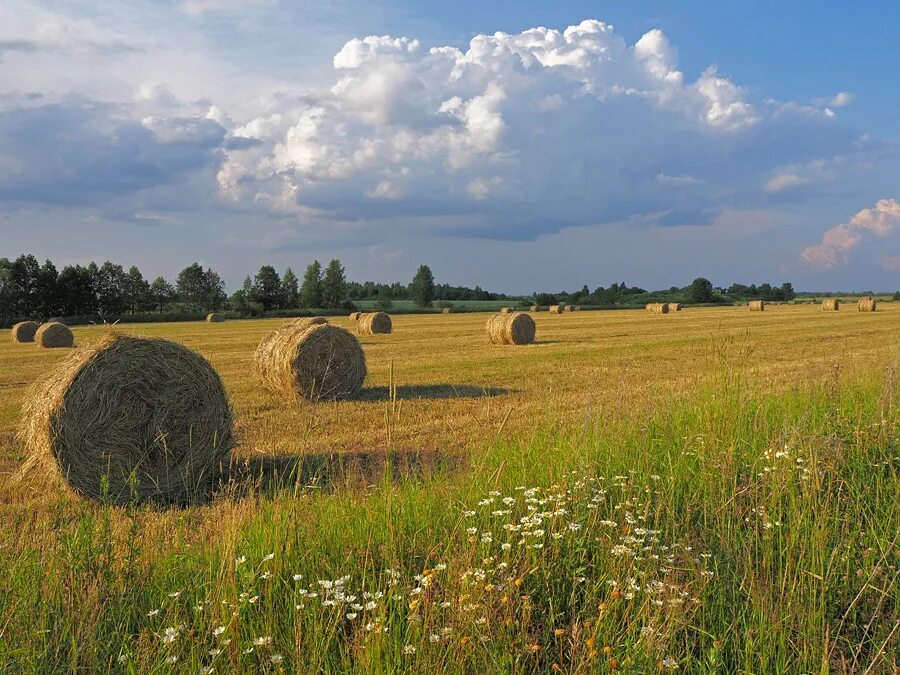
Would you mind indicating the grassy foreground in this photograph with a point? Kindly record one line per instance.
(732, 530)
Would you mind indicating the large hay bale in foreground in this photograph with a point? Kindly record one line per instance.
(757, 305)
(312, 361)
(214, 318)
(555, 309)
(24, 331)
(515, 328)
(867, 305)
(52, 335)
(128, 405)
(374, 322)
(831, 305)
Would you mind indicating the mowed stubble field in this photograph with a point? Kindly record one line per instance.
(713, 490)
(457, 389)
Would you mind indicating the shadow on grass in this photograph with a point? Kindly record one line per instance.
(431, 391)
(255, 476)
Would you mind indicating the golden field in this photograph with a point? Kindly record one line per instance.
(457, 389)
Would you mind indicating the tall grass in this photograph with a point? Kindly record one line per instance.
(735, 531)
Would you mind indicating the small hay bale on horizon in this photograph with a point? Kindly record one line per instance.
(54, 335)
(867, 305)
(130, 419)
(447, 310)
(658, 308)
(515, 328)
(674, 306)
(311, 361)
(567, 308)
(757, 305)
(214, 318)
(505, 310)
(534, 308)
(831, 305)
(24, 331)
(555, 309)
(374, 323)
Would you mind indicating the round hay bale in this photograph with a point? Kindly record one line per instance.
(831, 305)
(311, 361)
(674, 306)
(658, 308)
(567, 308)
(24, 331)
(53, 334)
(374, 322)
(505, 310)
(129, 405)
(757, 306)
(867, 305)
(308, 321)
(515, 328)
(447, 310)
(555, 309)
(214, 318)
(354, 316)
(533, 308)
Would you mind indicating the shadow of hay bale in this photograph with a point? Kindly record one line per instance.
(264, 476)
(431, 391)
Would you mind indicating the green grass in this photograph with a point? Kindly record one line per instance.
(733, 530)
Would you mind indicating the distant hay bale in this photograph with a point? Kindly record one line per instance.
(867, 305)
(24, 331)
(831, 305)
(649, 306)
(757, 305)
(533, 308)
(354, 316)
(659, 308)
(505, 310)
(447, 310)
(567, 308)
(311, 361)
(674, 306)
(214, 318)
(555, 309)
(515, 328)
(52, 335)
(131, 418)
(374, 322)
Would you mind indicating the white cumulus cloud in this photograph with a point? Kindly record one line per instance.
(837, 242)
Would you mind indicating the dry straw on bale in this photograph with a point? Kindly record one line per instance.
(555, 309)
(131, 418)
(214, 318)
(674, 306)
(831, 305)
(53, 334)
(354, 316)
(757, 306)
(308, 321)
(866, 305)
(374, 322)
(311, 361)
(515, 328)
(658, 308)
(24, 331)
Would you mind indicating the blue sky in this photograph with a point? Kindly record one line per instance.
(588, 142)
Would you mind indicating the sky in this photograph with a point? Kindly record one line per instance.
(519, 146)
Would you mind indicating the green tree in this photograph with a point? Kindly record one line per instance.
(200, 289)
(334, 284)
(267, 290)
(422, 287)
(110, 289)
(701, 290)
(162, 294)
(137, 291)
(384, 301)
(47, 291)
(22, 281)
(290, 290)
(76, 290)
(311, 290)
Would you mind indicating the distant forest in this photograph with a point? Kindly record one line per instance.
(29, 289)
